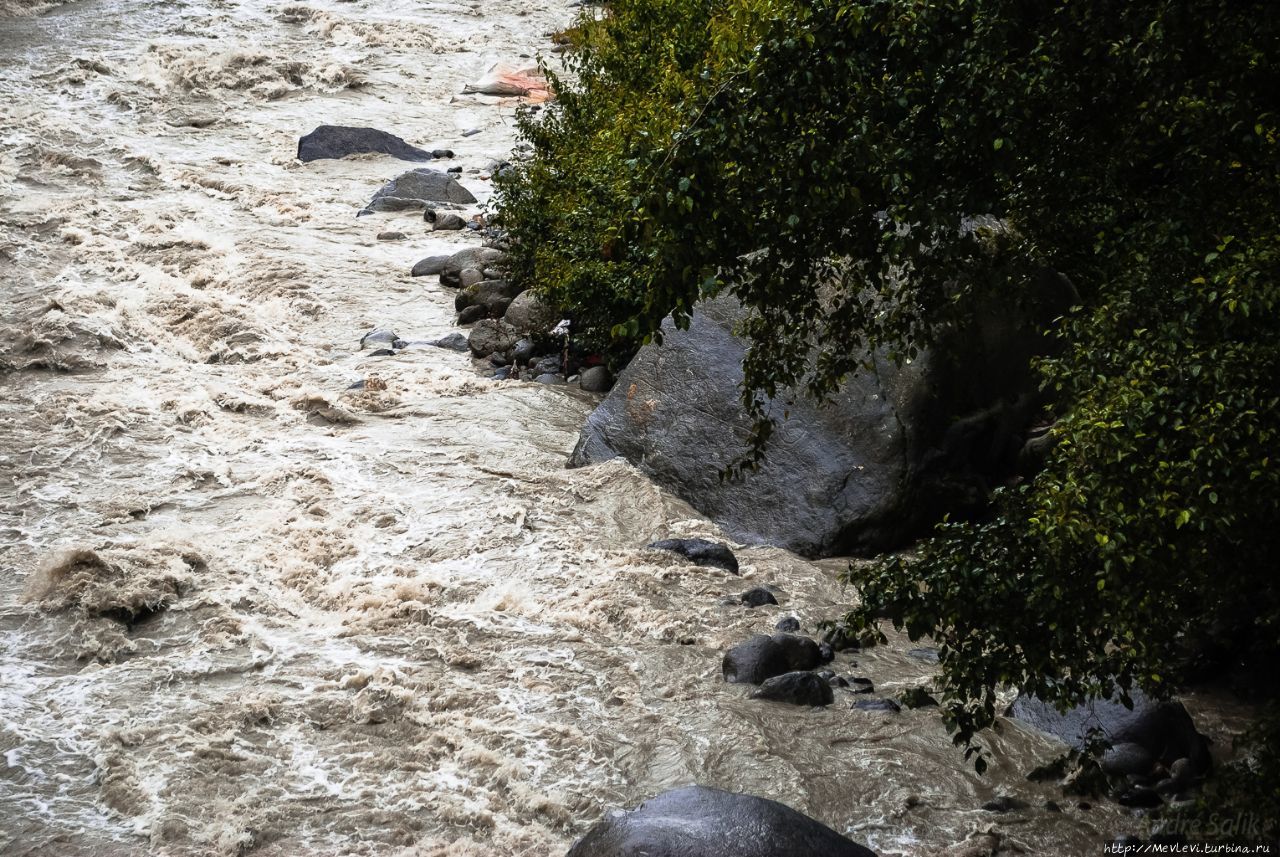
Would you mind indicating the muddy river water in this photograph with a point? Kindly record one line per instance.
(385, 621)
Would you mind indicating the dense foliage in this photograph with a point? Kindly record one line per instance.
(919, 159)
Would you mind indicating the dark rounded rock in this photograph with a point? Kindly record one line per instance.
(498, 359)
(490, 335)
(442, 154)
(549, 378)
(757, 597)
(502, 374)
(763, 657)
(444, 221)
(596, 379)
(523, 351)
(787, 624)
(826, 653)
(796, 688)
(697, 821)
(861, 685)
(429, 266)
(452, 342)
(472, 313)
(530, 314)
(468, 259)
(701, 552)
(876, 705)
(339, 141)
(549, 364)
(382, 352)
(418, 189)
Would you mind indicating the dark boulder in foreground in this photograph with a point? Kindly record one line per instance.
(1152, 733)
(892, 451)
(796, 688)
(763, 657)
(701, 552)
(418, 189)
(339, 141)
(697, 821)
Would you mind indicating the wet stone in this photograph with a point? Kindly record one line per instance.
(787, 624)
(886, 705)
(796, 688)
(757, 597)
(701, 552)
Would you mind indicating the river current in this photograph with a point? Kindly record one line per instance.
(245, 609)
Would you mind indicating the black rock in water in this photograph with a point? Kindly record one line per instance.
(339, 141)
(428, 266)
(796, 688)
(697, 821)
(701, 552)
(763, 657)
(444, 221)
(757, 597)
(453, 342)
(787, 624)
(877, 705)
(418, 189)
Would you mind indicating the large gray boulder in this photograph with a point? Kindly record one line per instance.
(1140, 738)
(697, 821)
(895, 448)
(339, 141)
(418, 188)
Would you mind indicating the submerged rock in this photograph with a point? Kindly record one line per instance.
(701, 552)
(418, 189)
(697, 821)
(796, 688)
(444, 221)
(339, 141)
(763, 657)
(758, 597)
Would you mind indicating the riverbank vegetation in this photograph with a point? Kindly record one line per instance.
(922, 160)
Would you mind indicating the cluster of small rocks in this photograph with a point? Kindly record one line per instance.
(787, 666)
(519, 336)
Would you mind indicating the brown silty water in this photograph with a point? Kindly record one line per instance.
(245, 610)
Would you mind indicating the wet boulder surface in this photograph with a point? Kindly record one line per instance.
(340, 141)
(416, 189)
(896, 447)
(697, 821)
(1153, 735)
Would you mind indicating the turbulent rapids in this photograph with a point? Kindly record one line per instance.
(248, 609)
